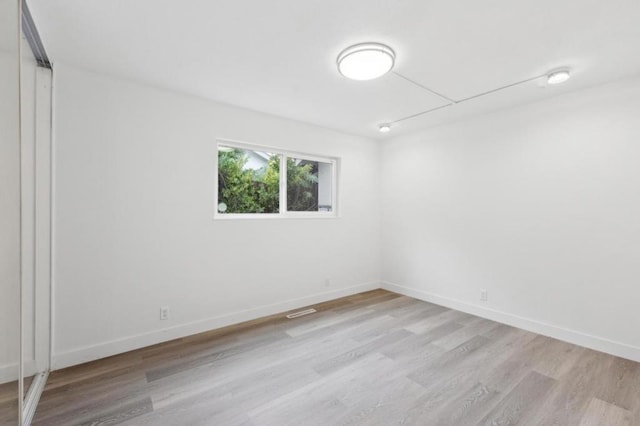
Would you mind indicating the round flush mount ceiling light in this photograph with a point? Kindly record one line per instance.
(559, 76)
(384, 128)
(366, 61)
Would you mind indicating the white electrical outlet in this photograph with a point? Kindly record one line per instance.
(164, 313)
(327, 282)
(484, 296)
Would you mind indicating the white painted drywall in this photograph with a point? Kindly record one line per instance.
(539, 204)
(134, 186)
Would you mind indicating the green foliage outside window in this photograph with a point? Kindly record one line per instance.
(302, 186)
(245, 190)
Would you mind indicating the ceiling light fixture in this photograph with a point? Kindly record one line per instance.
(559, 76)
(384, 128)
(366, 61)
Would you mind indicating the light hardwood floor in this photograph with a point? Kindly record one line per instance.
(375, 358)
(9, 403)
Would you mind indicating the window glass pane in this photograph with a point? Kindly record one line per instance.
(248, 181)
(309, 185)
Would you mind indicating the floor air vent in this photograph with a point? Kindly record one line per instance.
(301, 313)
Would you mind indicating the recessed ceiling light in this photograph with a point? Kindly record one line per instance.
(366, 61)
(384, 128)
(557, 77)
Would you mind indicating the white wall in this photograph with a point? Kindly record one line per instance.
(134, 186)
(539, 204)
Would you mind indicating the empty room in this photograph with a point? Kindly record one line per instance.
(285, 212)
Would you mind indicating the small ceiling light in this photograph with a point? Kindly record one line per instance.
(366, 61)
(384, 128)
(557, 77)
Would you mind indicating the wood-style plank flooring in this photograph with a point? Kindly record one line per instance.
(9, 403)
(9, 400)
(375, 358)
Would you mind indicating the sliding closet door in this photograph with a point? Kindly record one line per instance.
(35, 100)
(27, 103)
(10, 244)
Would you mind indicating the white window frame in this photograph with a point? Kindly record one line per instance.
(284, 154)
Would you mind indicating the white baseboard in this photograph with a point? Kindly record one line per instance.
(9, 373)
(601, 344)
(114, 347)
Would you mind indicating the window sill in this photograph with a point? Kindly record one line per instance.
(290, 215)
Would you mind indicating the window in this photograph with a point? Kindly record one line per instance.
(309, 185)
(263, 182)
(248, 181)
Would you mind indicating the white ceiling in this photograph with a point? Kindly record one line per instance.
(278, 56)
